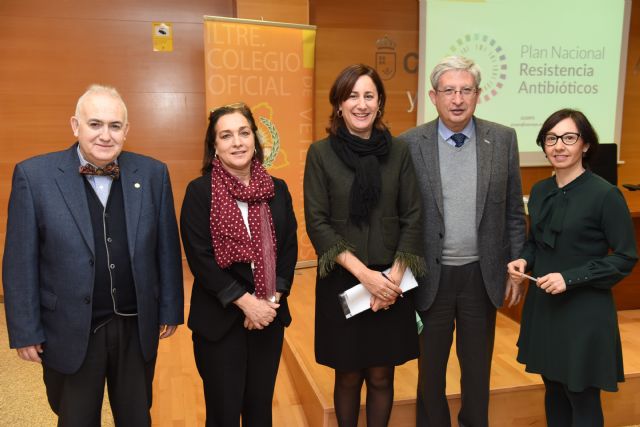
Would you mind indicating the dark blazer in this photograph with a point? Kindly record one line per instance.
(48, 266)
(214, 289)
(499, 209)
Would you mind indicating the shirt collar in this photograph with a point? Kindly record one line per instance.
(446, 133)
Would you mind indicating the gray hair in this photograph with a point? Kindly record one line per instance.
(459, 63)
(101, 89)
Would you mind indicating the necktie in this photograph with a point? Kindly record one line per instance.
(458, 138)
(112, 170)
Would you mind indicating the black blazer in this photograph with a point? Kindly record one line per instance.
(214, 289)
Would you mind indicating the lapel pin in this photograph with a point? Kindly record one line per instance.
(137, 185)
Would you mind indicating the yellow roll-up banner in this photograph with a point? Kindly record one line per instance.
(269, 66)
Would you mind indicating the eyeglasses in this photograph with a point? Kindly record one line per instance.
(568, 138)
(465, 92)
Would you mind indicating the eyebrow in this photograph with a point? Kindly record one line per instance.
(231, 130)
(102, 121)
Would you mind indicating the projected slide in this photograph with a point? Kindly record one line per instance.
(535, 57)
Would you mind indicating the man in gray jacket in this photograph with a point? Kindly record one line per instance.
(469, 177)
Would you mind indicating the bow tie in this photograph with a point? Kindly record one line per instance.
(111, 170)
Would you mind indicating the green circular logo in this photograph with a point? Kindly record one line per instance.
(489, 56)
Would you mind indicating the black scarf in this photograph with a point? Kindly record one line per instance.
(363, 157)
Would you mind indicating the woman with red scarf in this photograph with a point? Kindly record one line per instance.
(239, 234)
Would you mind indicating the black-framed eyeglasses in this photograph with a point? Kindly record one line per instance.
(569, 138)
(465, 92)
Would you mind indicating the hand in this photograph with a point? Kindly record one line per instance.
(513, 293)
(379, 286)
(552, 283)
(248, 324)
(516, 269)
(167, 330)
(258, 313)
(396, 273)
(378, 304)
(30, 353)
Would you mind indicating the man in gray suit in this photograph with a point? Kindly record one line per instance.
(469, 177)
(92, 270)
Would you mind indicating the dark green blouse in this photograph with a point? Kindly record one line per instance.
(584, 232)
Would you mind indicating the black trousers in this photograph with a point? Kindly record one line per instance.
(113, 355)
(565, 408)
(461, 302)
(239, 374)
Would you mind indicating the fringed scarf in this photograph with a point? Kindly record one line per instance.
(363, 157)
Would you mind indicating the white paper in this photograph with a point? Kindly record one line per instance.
(357, 299)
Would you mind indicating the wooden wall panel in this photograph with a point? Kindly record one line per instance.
(290, 11)
(374, 14)
(51, 51)
(120, 10)
(70, 61)
(347, 34)
(531, 175)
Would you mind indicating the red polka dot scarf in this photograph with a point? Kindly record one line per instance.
(231, 241)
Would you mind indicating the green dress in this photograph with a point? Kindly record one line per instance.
(584, 232)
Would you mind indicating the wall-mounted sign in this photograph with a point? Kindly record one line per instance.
(162, 36)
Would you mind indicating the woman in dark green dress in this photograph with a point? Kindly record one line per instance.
(581, 243)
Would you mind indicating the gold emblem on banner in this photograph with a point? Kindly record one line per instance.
(269, 137)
